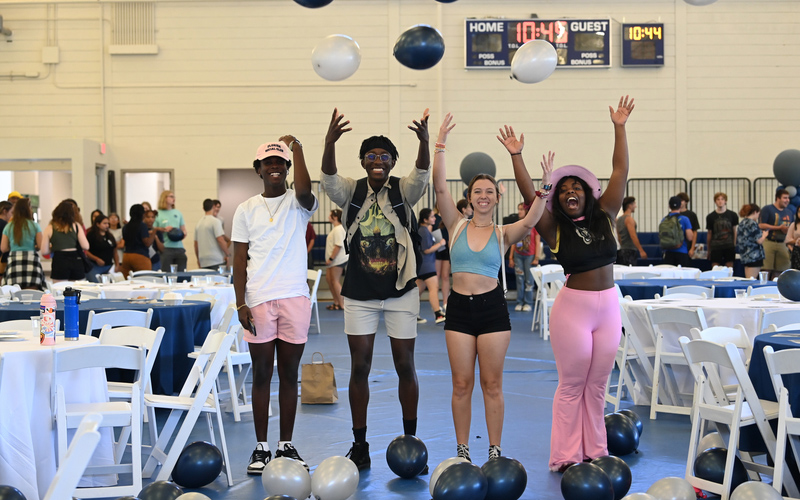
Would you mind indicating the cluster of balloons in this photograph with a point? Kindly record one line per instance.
(336, 478)
(407, 456)
(623, 429)
(604, 478)
(500, 478)
(786, 168)
(198, 465)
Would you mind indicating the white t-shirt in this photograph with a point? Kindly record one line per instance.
(206, 232)
(277, 267)
(336, 239)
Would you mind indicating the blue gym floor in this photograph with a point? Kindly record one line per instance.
(530, 380)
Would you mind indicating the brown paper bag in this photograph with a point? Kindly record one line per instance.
(317, 382)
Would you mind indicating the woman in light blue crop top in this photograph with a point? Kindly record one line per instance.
(477, 324)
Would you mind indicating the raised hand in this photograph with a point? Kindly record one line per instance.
(337, 127)
(287, 139)
(445, 128)
(624, 108)
(508, 139)
(421, 127)
(547, 166)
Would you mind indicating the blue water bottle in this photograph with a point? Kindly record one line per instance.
(72, 298)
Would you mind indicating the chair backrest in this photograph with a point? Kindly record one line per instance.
(92, 294)
(8, 290)
(201, 296)
(684, 317)
(785, 328)
(641, 276)
(695, 289)
(19, 325)
(747, 389)
(218, 279)
(28, 294)
(136, 336)
(688, 296)
(183, 292)
(227, 317)
(208, 363)
(122, 317)
(705, 358)
(716, 273)
(314, 277)
(781, 363)
(117, 277)
(779, 318)
(762, 290)
(74, 462)
(722, 335)
(149, 279)
(147, 272)
(98, 356)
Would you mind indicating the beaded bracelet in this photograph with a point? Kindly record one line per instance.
(439, 145)
(543, 194)
(439, 150)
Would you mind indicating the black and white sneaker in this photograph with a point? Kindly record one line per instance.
(289, 451)
(440, 318)
(462, 451)
(494, 451)
(258, 460)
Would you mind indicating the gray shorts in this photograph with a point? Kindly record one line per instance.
(399, 314)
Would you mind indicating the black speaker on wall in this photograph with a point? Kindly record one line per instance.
(112, 191)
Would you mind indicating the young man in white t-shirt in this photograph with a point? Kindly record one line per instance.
(269, 278)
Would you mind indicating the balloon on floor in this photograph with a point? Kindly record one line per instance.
(586, 481)
(710, 440)
(710, 465)
(618, 472)
(755, 490)
(419, 47)
(193, 495)
(621, 434)
(284, 476)
(634, 417)
(313, 4)
(476, 163)
(506, 479)
(789, 284)
(336, 478)
(336, 57)
(462, 481)
(407, 456)
(534, 61)
(10, 493)
(160, 490)
(672, 488)
(441, 468)
(198, 465)
(639, 496)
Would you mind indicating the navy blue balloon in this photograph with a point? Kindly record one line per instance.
(618, 472)
(160, 490)
(198, 465)
(634, 417)
(586, 482)
(128, 498)
(419, 47)
(789, 284)
(406, 456)
(313, 4)
(786, 167)
(710, 465)
(506, 478)
(621, 434)
(10, 493)
(445, 1)
(280, 497)
(464, 481)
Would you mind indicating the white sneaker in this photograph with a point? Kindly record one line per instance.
(421, 320)
(518, 307)
(526, 308)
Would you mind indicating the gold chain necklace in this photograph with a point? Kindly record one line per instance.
(485, 225)
(271, 215)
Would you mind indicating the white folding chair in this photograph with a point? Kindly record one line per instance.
(314, 277)
(185, 293)
(29, 295)
(199, 296)
(763, 291)
(147, 279)
(76, 459)
(784, 328)
(779, 318)
(116, 277)
(199, 394)
(148, 272)
(122, 317)
(216, 278)
(713, 406)
(238, 400)
(549, 283)
(786, 362)
(8, 290)
(641, 276)
(633, 363)
(227, 317)
(687, 296)
(135, 336)
(722, 335)
(692, 289)
(667, 390)
(120, 414)
(93, 294)
(716, 274)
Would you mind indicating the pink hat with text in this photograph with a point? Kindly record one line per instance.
(272, 149)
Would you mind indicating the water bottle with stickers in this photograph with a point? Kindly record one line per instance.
(47, 322)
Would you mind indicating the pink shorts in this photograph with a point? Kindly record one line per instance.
(284, 319)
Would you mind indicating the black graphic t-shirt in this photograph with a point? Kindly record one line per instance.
(372, 262)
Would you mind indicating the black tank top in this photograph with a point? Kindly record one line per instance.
(578, 251)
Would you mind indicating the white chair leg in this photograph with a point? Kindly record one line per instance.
(224, 445)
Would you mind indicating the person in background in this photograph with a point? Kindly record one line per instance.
(66, 240)
(443, 261)
(776, 219)
(102, 249)
(138, 237)
(335, 259)
(94, 215)
(311, 237)
(215, 213)
(146, 206)
(464, 208)
(426, 274)
(115, 228)
(524, 255)
(630, 248)
(5, 216)
(155, 249)
(210, 247)
(78, 216)
(692, 220)
(21, 238)
(721, 225)
(793, 240)
(749, 242)
(680, 256)
(167, 219)
(13, 197)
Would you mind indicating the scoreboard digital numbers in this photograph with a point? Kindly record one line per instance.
(579, 43)
(643, 44)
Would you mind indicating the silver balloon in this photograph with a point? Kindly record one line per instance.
(193, 495)
(441, 467)
(336, 478)
(711, 440)
(755, 490)
(534, 61)
(699, 2)
(284, 476)
(791, 190)
(672, 488)
(336, 57)
(638, 496)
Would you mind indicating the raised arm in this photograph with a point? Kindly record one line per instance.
(421, 129)
(444, 200)
(302, 181)
(518, 230)
(611, 199)
(336, 128)
(514, 147)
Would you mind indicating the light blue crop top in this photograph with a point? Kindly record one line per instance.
(486, 262)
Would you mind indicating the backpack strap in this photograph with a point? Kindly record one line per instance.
(396, 199)
(501, 242)
(356, 202)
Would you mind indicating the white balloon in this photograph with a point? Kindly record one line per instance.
(699, 2)
(638, 496)
(284, 476)
(792, 190)
(710, 440)
(336, 57)
(755, 490)
(193, 495)
(336, 478)
(534, 61)
(441, 467)
(672, 488)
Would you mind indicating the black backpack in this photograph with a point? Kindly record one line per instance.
(398, 205)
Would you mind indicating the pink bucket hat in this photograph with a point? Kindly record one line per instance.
(572, 171)
(272, 149)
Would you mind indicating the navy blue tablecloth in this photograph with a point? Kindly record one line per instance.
(640, 289)
(185, 326)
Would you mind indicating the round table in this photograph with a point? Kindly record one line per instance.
(640, 289)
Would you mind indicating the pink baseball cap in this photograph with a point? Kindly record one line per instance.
(573, 171)
(272, 149)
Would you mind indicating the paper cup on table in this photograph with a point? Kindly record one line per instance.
(35, 325)
(173, 299)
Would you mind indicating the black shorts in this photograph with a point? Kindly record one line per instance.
(756, 263)
(477, 314)
(67, 266)
(443, 254)
(722, 255)
(425, 276)
(627, 257)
